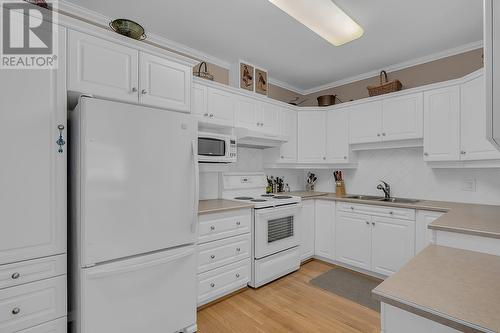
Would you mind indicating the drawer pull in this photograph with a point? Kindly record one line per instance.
(238, 249)
(352, 208)
(238, 223)
(237, 275)
(212, 228)
(367, 223)
(373, 223)
(392, 213)
(212, 256)
(212, 285)
(15, 276)
(16, 311)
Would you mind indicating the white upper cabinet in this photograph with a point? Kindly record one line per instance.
(247, 113)
(474, 145)
(288, 151)
(220, 107)
(102, 68)
(199, 105)
(337, 136)
(312, 136)
(403, 117)
(442, 124)
(324, 229)
(270, 118)
(33, 171)
(365, 123)
(492, 69)
(163, 83)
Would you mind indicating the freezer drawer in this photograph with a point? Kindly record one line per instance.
(154, 293)
(32, 270)
(55, 326)
(219, 253)
(32, 304)
(222, 281)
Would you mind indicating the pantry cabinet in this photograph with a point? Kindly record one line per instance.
(324, 233)
(106, 69)
(442, 124)
(307, 229)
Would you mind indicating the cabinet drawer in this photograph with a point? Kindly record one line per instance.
(32, 270)
(55, 326)
(382, 211)
(222, 225)
(223, 252)
(32, 304)
(222, 281)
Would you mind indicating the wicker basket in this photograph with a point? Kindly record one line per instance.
(385, 87)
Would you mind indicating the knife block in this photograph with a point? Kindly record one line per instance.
(340, 189)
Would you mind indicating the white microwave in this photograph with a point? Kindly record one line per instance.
(216, 148)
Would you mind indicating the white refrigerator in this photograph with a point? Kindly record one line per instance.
(134, 204)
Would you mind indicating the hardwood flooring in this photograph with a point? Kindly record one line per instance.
(290, 304)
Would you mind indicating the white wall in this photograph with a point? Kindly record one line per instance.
(409, 176)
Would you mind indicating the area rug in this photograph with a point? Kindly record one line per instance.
(351, 285)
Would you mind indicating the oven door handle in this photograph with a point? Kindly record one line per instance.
(277, 210)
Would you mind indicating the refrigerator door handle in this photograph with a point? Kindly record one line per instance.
(196, 195)
(139, 266)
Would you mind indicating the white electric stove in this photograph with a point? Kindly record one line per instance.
(275, 238)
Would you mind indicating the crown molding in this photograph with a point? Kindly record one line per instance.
(406, 64)
(103, 20)
(286, 86)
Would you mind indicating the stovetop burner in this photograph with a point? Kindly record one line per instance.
(243, 198)
(282, 197)
(267, 195)
(258, 200)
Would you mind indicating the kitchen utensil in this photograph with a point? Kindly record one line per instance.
(340, 188)
(128, 28)
(327, 100)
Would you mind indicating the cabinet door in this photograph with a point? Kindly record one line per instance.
(271, 119)
(441, 124)
(353, 239)
(102, 68)
(164, 84)
(288, 151)
(312, 137)
(306, 223)
(220, 107)
(474, 145)
(403, 117)
(365, 123)
(32, 171)
(337, 136)
(393, 244)
(423, 235)
(246, 113)
(324, 234)
(199, 100)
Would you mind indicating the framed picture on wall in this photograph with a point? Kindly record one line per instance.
(246, 76)
(261, 86)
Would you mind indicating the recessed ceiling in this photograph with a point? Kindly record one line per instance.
(258, 32)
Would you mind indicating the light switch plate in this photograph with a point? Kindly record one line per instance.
(469, 185)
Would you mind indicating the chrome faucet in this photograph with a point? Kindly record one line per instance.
(383, 186)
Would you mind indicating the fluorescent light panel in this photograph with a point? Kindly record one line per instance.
(323, 17)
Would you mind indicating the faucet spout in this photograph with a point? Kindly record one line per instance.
(386, 188)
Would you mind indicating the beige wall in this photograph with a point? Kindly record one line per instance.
(440, 70)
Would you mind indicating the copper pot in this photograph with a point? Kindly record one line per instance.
(327, 100)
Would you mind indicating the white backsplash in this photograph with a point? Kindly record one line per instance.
(411, 177)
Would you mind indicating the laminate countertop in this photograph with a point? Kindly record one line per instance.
(472, 219)
(457, 288)
(220, 205)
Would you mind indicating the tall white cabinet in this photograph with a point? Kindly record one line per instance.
(33, 196)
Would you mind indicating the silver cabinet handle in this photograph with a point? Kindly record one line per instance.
(238, 223)
(463, 152)
(426, 154)
(212, 285)
(352, 208)
(205, 115)
(383, 134)
(15, 276)
(392, 213)
(373, 223)
(60, 141)
(367, 223)
(212, 256)
(238, 249)
(134, 89)
(237, 275)
(324, 158)
(345, 157)
(212, 228)
(211, 115)
(144, 91)
(378, 134)
(282, 156)
(15, 311)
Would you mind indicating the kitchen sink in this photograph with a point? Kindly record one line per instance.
(376, 198)
(364, 197)
(400, 200)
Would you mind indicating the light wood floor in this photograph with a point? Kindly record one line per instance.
(290, 304)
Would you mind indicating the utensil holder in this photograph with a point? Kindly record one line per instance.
(340, 189)
(310, 187)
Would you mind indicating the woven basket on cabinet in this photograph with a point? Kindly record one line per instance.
(385, 87)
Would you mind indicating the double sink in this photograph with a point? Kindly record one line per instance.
(383, 199)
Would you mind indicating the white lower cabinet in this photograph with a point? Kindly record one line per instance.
(353, 239)
(373, 242)
(324, 231)
(55, 326)
(393, 244)
(307, 227)
(224, 247)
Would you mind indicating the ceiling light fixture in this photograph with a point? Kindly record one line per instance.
(323, 17)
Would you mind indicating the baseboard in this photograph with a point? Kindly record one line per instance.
(201, 307)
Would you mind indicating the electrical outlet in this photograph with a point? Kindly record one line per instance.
(469, 185)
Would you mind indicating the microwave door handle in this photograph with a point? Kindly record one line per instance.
(196, 170)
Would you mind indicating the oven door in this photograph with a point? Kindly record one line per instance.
(275, 230)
